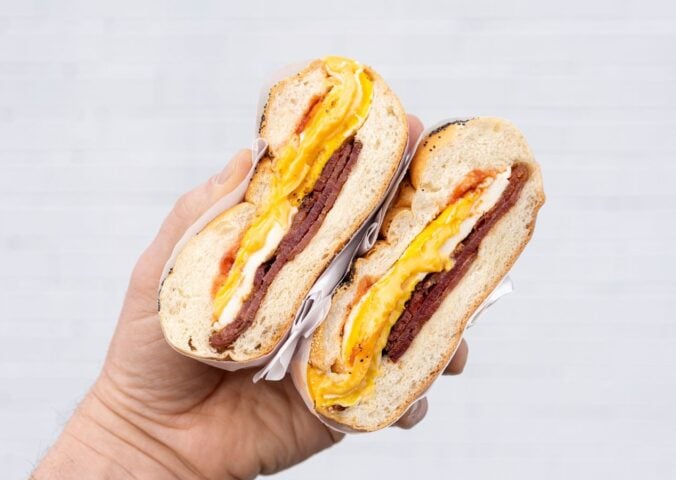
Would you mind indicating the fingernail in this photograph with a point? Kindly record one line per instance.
(416, 412)
(414, 415)
(230, 168)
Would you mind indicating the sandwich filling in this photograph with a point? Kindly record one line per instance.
(308, 172)
(393, 310)
(305, 224)
(429, 293)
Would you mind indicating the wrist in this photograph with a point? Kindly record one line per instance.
(98, 442)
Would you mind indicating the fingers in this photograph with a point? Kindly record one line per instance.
(415, 128)
(459, 360)
(186, 211)
(413, 415)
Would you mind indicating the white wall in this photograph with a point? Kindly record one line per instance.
(109, 110)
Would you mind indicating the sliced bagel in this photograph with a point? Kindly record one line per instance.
(461, 218)
(237, 285)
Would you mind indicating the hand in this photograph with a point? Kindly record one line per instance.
(153, 413)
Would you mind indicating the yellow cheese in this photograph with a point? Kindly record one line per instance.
(337, 117)
(377, 311)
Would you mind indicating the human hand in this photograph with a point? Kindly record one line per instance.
(154, 413)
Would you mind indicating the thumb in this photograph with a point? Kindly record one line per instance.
(194, 203)
(185, 212)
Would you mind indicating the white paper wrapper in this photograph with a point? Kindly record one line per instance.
(299, 361)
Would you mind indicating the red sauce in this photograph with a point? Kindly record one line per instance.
(470, 182)
(355, 350)
(363, 286)
(223, 270)
(314, 105)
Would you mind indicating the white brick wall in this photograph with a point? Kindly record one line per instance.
(108, 110)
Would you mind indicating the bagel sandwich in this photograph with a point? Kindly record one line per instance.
(461, 217)
(335, 135)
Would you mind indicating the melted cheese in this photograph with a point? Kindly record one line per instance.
(371, 319)
(337, 117)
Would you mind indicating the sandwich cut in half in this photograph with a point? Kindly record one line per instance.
(336, 134)
(462, 216)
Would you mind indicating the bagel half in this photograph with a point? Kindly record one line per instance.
(461, 218)
(334, 114)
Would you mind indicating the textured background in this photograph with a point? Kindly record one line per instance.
(109, 110)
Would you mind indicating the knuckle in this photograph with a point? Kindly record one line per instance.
(140, 275)
(184, 206)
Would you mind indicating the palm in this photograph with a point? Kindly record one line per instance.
(213, 419)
